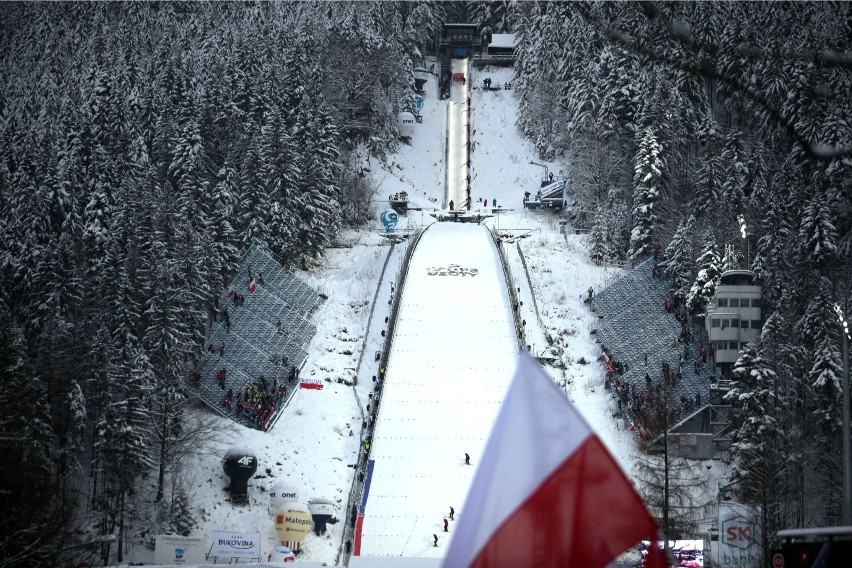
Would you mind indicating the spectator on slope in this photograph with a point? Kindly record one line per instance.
(466, 458)
(452, 513)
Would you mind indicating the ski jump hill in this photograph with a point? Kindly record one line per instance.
(453, 352)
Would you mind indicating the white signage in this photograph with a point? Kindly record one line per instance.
(177, 550)
(739, 535)
(236, 545)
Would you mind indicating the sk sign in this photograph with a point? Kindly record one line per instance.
(738, 532)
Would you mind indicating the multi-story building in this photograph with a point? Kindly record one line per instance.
(733, 317)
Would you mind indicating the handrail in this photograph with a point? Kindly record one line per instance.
(510, 284)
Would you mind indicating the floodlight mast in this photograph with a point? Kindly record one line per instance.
(546, 170)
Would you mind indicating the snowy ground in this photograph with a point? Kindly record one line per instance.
(317, 440)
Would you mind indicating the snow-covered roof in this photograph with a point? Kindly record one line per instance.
(503, 41)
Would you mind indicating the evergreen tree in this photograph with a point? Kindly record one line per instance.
(680, 265)
(598, 238)
(709, 273)
(646, 195)
(817, 234)
(757, 440)
(318, 208)
(736, 174)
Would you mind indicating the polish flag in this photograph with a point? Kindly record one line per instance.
(546, 491)
(252, 286)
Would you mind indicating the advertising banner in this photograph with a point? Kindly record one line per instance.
(179, 550)
(739, 535)
(236, 545)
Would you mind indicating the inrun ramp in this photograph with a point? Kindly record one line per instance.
(453, 354)
(458, 136)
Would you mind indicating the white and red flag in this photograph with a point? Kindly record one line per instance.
(252, 286)
(547, 492)
(231, 290)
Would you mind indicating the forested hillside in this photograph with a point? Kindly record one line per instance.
(723, 132)
(144, 145)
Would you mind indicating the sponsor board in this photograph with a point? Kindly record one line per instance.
(739, 535)
(236, 545)
(311, 384)
(179, 550)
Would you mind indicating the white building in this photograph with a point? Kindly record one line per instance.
(733, 317)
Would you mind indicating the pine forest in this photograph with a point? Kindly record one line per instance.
(145, 145)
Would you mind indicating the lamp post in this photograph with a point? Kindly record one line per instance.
(847, 444)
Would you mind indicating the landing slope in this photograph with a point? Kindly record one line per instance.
(453, 355)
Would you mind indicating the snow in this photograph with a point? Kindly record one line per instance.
(454, 349)
(503, 41)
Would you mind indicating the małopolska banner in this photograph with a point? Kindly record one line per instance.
(739, 535)
(175, 550)
(236, 545)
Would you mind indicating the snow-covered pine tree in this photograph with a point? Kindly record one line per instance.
(709, 273)
(757, 439)
(253, 208)
(319, 208)
(817, 234)
(708, 183)
(680, 266)
(646, 196)
(598, 243)
(225, 254)
(279, 160)
(123, 448)
(735, 175)
(32, 515)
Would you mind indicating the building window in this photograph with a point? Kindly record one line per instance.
(733, 345)
(755, 324)
(734, 302)
(714, 323)
(755, 302)
(743, 324)
(735, 322)
(743, 345)
(723, 302)
(744, 302)
(726, 323)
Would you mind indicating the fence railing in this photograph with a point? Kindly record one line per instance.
(357, 489)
